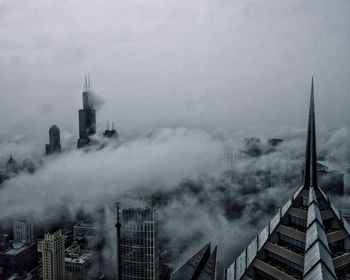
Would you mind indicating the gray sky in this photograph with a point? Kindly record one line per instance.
(206, 63)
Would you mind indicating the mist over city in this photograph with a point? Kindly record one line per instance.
(174, 140)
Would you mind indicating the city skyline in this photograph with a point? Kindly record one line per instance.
(158, 140)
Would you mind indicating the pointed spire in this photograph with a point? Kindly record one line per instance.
(310, 173)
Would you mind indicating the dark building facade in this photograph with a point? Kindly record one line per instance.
(54, 145)
(87, 117)
(307, 239)
(137, 245)
(201, 266)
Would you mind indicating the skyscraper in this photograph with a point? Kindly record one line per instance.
(87, 116)
(52, 249)
(54, 145)
(307, 239)
(201, 266)
(23, 232)
(137, 245)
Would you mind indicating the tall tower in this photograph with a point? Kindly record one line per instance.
(23, 232)
(308, 238)
(54, 145)
(138, 245)
(52, 249)
(87, 116)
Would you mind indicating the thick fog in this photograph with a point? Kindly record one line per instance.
(184, 81)
(173, 63)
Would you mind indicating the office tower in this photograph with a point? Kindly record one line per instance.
(52, 249)
(137, 245)
(307, 239)
(110, 133)
(201, 266)
(54, 145)
(87, 116)
(23, 232)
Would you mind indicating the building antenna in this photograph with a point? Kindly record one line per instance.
(85, 83)
(89, 82)
(112, 125)
(107, 125)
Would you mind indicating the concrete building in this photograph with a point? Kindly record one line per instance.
(54, 145)
(201, 266)
(307, 239)
(87, 116)
(79, 264)
(137, 245)
(52, 249)
(23, 232)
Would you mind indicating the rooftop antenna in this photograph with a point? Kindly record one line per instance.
(85, 83)
(89, 84)
(112, 125)
(107, 125)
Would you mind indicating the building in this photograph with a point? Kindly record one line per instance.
(52, 249)
(79, 264)
(252, 147)
(87, 235)
(87, 116)
(307, 239)
(54, 145)
(11, 166)
(110, 133)
(19, 258)
(23, 232)
(201, 266)
(137, 245)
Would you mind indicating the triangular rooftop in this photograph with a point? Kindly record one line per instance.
(201, 266)
(307, 239)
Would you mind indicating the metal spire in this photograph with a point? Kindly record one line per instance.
(310, 173)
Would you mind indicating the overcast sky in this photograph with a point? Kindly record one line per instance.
(199, 63)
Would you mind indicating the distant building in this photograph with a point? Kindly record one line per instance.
(252, 147)
(137, 245)
(79, 264)
(201, 266)
(11, 166)
(52, 249)
(23, 232)
(86, 234)
(4, 241)
(54, 145)
(274, 141)
(330, 179)
(110, 133)
(87, 117)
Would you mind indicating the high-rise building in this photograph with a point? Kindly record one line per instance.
(23, 232)
(54, 145)
(201, 266)
(137, 245)
(307, 239)
(87, 116)
(52, 249)
(110, 133)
